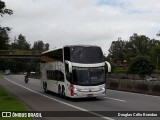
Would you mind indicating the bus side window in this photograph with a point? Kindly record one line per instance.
(56, 75)
(61, 76)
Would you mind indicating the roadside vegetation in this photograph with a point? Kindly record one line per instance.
(19, 43)
(144, 87)
(138, 50)
(10, 103)
(133, 61)
(138, 55)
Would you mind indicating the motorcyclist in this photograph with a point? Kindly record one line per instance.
(26, 77)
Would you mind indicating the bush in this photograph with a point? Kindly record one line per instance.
(156, 88)
(126, 85)
(113, 85)
(143, 87)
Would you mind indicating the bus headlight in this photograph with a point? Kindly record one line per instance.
(75, 89)
(102, 87)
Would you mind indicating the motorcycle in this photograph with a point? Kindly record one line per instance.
(26, 79)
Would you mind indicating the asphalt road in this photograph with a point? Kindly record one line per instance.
(116, 103)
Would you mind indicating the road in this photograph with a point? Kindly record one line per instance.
(125, 102)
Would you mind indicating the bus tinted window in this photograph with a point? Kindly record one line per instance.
(67, 53)
(89, 54)
(55, 75)
(52, 56)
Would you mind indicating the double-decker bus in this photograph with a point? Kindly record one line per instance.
(74, 71)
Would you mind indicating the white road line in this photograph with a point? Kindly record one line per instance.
(135, 93)
(107, 118)
(115, 99)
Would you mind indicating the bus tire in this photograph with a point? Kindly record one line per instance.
(59, 90)
(63, 92)
(45, 87)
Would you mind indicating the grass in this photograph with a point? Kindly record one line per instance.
(11, 103)
(1, 73)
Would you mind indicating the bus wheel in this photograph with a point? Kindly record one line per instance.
(45, 87)
(63, 92)
(59, 90)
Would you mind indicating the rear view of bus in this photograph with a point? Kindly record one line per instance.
(84, 71)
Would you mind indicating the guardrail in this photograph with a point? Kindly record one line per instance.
(138, 86)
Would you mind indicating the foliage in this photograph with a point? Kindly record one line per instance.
(20, 43)
(4, 10)
(139, 44)
(39, 45)
(121, 70)
(23, 65)
(158, 34)
(11, 103)
(141, 65)
(121, 50)
(4, 37)
(117, 50)
(155, 54)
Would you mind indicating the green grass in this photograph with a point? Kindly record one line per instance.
(1, 73)
(11, 103)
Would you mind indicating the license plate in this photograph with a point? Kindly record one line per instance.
(89, 95)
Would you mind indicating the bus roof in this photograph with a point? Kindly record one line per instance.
(51, 50)
(69, 46)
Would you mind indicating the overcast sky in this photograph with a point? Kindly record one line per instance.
(95, 22)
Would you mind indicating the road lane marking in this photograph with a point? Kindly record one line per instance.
(79, 108)
(135, 93)
(115, 99)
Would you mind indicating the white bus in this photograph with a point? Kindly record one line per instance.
(74, 71)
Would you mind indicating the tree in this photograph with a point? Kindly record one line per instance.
(121, 50)
(21, 43)
(139, 44)
(4, 10)
(46, 47)
(153, 43)
(39, 45)
(117, 50)
(158, 34)
(4, 31)
(4, 37)
(141, 65)
(155, 56)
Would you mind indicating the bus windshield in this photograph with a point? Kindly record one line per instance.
(88, 76)
(79, 54)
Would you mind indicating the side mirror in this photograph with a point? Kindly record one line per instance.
(108, 65)
(69, 66)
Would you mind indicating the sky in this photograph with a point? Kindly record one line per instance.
(91, 22)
